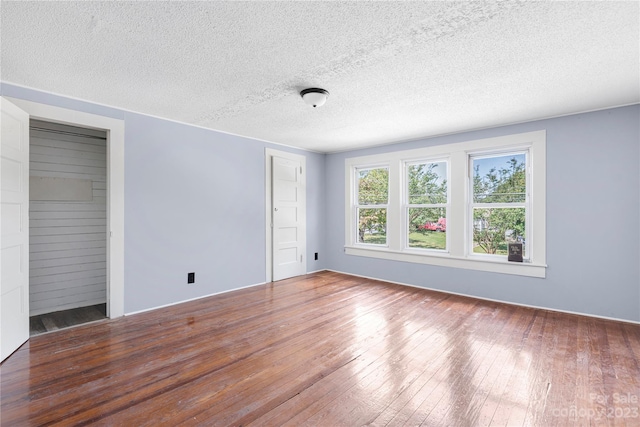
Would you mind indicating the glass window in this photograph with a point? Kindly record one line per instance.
(372, 205)
(452, 205)
(499, 204)
(426, 207)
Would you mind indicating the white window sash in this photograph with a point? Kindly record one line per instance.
(459, 209)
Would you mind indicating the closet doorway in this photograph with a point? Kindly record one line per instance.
(67, 226)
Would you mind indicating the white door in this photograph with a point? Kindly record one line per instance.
(14, 243)
(289, 218)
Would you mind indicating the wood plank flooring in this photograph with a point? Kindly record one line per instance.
(329, 349)
(66, 318)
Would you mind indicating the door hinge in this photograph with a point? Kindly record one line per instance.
(300, 258)
(300, 170)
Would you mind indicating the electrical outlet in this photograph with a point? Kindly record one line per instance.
(316, 256)
(191, 277)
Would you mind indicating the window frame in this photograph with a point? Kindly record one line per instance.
(357, 206)
(508, 205)
(460, 192)
(406, 205)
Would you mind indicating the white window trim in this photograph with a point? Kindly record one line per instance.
(458, 255)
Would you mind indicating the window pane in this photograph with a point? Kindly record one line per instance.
(373, 186)
(494, 228)
(427, 228)
(499, 179)
(427, 183)
(372, 226)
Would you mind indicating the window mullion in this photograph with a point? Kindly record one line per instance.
(427, 205)
(394, 213)
(385, 206)
(457, 212)
(499, 205)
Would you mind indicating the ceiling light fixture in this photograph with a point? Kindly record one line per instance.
(314, 96)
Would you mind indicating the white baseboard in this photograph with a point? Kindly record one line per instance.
(192, 299)
(490, 299)
(316, 271)
(401, 284)
(206, 296)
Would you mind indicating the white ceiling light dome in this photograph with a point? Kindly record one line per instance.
(314, 96)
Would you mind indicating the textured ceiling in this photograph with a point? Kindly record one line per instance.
(395, 70)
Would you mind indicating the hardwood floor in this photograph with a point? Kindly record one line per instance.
(329, 350)
(65, 318)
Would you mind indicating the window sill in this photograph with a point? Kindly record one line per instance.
(446, 260)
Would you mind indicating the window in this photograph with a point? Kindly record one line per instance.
(426, 207)
(372, 198)
(456, 205)
(499, 203)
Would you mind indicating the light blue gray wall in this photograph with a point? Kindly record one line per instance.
(194, 202)
(593, 216)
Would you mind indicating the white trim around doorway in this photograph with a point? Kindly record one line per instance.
(115, 185)
(269, 153)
